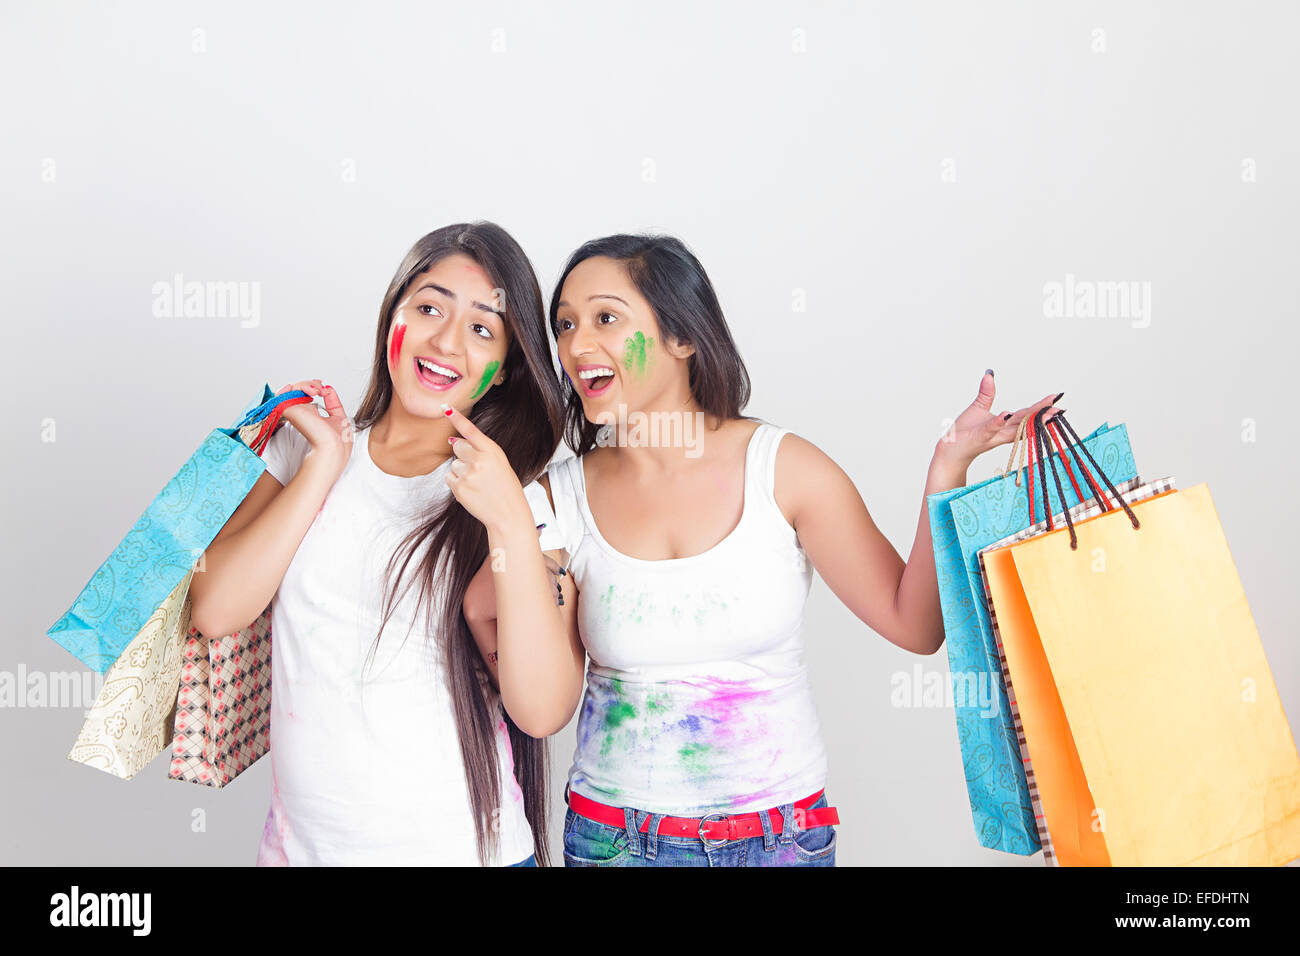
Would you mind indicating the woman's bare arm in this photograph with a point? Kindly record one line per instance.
(243, 566)
(896, 599)
(899, 600)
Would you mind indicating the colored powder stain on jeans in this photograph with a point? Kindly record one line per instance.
(635, 349)
(395, 349)
(487, 377)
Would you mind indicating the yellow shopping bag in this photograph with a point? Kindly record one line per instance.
(1063, 805)
(1180, 734)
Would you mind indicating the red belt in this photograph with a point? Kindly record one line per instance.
(712, 827)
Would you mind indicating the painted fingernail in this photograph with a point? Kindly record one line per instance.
(1057, 399)
(1006, 416)
(541, 526)
(446, 409)
(988, 371)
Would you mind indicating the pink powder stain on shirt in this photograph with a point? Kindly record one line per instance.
(270, 852)
(726, 706)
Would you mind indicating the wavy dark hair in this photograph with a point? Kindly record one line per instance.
(523, 415)
(686, 306)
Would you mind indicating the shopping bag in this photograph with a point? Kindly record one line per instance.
(1040, 726)
(963, 520)
(133, 719)
(130, 722)
(223, 708)
(164, 543)
(1161, 676)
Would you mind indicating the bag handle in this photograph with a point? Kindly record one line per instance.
(1057, 434)
(1044, 451)
(1018, 447)
(1060, 453)
(296, 396)
(273, 422)
(1043, 436)
(1079, 446)
(269, 413)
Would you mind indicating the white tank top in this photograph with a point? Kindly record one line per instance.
(697, 695)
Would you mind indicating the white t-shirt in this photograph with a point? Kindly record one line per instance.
(366, 763)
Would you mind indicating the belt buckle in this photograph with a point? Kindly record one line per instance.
(705, 819)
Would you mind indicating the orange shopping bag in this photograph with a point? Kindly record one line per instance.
(1179, 732)
(1058, 782)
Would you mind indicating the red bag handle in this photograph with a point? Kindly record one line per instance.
(272, 421)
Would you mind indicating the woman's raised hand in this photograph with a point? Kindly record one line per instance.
(977, 429)
(329, 435)
(481, 478)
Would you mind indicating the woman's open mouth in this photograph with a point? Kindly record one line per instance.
(595, 378)
(435, 376)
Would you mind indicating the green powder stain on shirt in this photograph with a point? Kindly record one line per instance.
(607, 600)
(693, 757)
(619, 709)
(637, 351)
(658, 703)
(619, 713)
(487, 377)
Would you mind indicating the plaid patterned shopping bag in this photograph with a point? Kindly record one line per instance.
(223, 708)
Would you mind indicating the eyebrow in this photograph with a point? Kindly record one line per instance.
(599, 295)
(452, 295)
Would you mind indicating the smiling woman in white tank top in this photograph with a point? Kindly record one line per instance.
(690, 535)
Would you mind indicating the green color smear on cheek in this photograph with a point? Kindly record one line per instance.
(637, 351)
(487, 377)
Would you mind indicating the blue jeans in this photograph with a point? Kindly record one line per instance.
(588, 843)
(531, 861)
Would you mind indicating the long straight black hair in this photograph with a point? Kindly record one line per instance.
(686, 306)
(523, 416)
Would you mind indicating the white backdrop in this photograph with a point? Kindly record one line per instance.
(881, 194)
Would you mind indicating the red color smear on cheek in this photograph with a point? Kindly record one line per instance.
(395, 349)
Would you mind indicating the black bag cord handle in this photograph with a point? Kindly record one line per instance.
(1079, 446)
(1044, 449)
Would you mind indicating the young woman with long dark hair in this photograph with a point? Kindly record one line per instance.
(388, 744)
(690, 533)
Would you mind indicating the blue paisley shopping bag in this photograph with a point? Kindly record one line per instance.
(962, 521)
(160, 550)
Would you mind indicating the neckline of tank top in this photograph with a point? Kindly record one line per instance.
(746, 508)
(362, 438)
